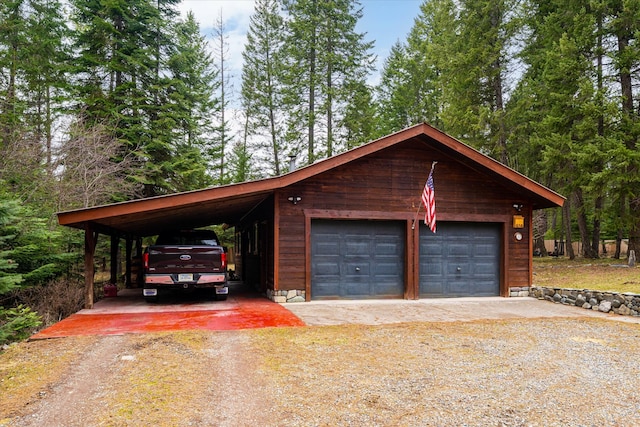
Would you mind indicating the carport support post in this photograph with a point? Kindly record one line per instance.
(115, 243)
(90, 240)
(127, 257)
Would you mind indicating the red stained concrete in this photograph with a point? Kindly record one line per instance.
(129, 313)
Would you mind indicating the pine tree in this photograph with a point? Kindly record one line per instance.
(325, 59)
(33, 90)
(188, 107)
(9, 211)
(12, 38)
(223, 132)
(261, 92)
(46, 59)
(120, 57)
(394, 92)
(568, 104)
(412, 84)
(476, 78)
(623, 29)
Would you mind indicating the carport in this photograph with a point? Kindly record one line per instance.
(140, 218)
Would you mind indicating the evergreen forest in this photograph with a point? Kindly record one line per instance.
(106, 101)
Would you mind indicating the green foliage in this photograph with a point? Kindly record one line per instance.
(9, 277)
(188, 109)
(30, 253)
(17, 324)
(326, 65)
(262, 90)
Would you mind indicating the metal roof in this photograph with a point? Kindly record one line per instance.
(229, 203)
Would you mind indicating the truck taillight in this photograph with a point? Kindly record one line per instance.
(223, 259)
(145, 260)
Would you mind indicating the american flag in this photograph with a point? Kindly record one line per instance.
(429, 200)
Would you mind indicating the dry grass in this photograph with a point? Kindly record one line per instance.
(465, 373)
(536, 372)
(29, 369)
(603, 274)
(156, 380)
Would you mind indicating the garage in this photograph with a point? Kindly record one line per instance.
(461, 259)
(357, 259)
(347, 226)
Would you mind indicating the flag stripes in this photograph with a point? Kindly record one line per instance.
(429, 201)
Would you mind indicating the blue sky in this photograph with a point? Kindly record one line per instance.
(384, 21)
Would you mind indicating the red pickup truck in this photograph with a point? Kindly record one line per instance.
(185, 260)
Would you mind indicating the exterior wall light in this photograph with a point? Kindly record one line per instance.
(294, 199)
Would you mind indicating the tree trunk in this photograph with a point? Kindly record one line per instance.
(582, 226)
(566, 216)
(329, 109)
(539, 230)
(312, 98)
(620, 235)
(595, 233)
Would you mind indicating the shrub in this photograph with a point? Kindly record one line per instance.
(54, 301)
(17, 323)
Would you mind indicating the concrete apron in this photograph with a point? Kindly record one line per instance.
(129, 313)
(374, 312)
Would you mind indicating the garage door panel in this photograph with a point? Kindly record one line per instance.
(461, 259)
(484, 269)
(388, 269)
(459, 288)
(369, 256)
(433, 287)
(328, 268)
(357, 268)
(386, 248)
(458, 268)
(483, 248)
(326, 248)
(458, 249)
(485, 288)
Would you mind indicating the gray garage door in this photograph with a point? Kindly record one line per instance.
(357, 259)
(461, 259)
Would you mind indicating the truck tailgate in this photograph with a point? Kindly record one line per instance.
(185, 258)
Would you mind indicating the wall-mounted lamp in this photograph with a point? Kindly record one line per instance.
(294, 199)
(517, 206)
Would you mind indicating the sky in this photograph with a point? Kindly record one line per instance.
(383, 21)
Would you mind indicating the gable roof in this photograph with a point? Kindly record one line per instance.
(229, 203)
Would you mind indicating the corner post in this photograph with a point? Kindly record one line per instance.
(90, 240)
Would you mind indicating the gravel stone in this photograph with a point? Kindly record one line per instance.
(551, 372)
(605, 306)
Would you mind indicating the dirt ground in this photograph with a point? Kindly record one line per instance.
(554, 371)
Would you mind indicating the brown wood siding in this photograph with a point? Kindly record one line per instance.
(389, 184)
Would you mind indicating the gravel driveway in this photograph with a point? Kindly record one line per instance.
(508, 370)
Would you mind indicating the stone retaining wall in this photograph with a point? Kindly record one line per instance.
(626, 304)
(286, 296)
(519, 292)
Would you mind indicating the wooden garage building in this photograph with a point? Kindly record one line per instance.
(345, 227)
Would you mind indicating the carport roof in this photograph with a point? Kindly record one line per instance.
(229, 203)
